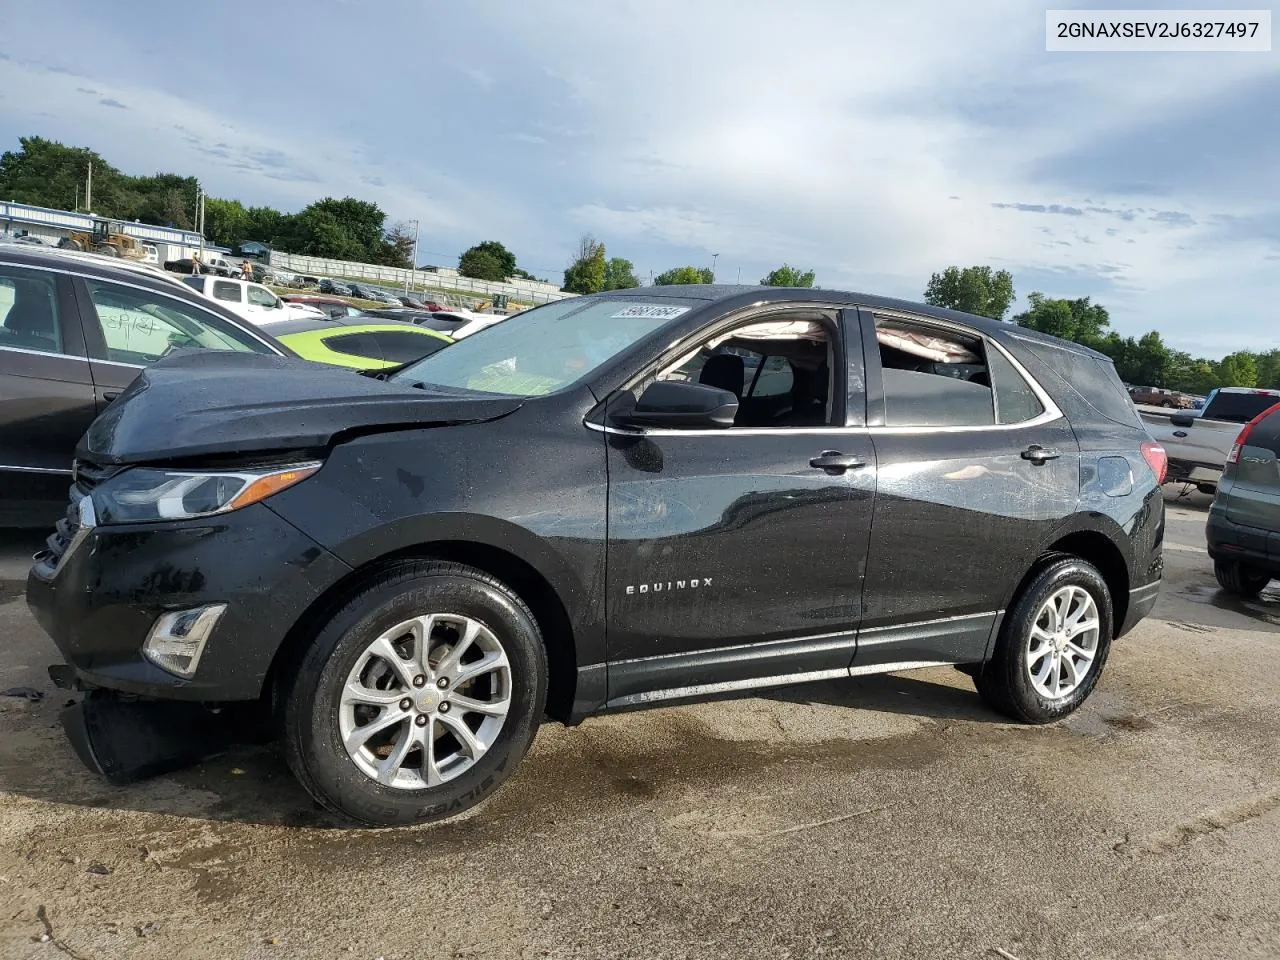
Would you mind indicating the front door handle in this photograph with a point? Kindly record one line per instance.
(1038, 454)
(833, 461)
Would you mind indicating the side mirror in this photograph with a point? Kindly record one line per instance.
(677, 403)
(1182, 420)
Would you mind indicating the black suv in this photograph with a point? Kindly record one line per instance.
(604, 503)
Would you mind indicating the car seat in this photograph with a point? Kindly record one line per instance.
(30, 321)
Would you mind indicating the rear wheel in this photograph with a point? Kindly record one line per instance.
(1053, 644)
(418, 698)
(106, 250)
(1237, 578)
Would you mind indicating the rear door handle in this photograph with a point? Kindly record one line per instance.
(833, 461)
(110, 396)
(1038, 454)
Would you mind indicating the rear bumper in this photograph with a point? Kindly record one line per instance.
(1229, 541)
(101, 602)
(1142, 600)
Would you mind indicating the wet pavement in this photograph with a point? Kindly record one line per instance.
(879, 817)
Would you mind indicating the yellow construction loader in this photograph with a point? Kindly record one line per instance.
(105, 239)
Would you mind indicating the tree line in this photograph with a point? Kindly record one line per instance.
(591, 270)
(1143, 361)
(49, 174)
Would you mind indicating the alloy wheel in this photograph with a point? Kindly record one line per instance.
(1063, 643)
(425, 701)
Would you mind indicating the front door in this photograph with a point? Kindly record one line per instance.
(977, 469)
(735, 556)
(46, 394)
(126, 328)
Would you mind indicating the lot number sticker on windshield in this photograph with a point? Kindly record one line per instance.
(651, 312)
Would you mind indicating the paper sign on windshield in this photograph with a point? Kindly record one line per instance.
(650, 311)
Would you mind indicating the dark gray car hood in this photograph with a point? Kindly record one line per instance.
(215, 403)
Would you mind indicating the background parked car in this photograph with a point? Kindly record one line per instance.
(329, 306)
(252, 301)
(349, 342)
(74, 332)
(1244, 520)
(336, 287)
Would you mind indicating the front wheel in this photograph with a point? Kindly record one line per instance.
(1236, 578)
(418, 698)
(1052, 646)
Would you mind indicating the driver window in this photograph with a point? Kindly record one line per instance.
(261, 297)
(140, 327)
(779, 369)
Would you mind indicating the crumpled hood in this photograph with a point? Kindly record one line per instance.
(213, 402)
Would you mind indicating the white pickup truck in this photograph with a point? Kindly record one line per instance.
(1198, 442)
(252, 301)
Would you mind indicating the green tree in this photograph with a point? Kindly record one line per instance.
(682, 275)
(226, 222)
(396, 248)
(620, 274)
(788, 276)
(1268, 369)
(586, 272)
(1237, 370)
(976, 290)
(1078, 320)
(489, 260)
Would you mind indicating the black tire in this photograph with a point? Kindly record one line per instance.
(1239, 579)
(312, 742)
(1005, 682)
(106, 250)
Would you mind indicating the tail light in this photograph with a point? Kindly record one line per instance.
(1156, 459)
(1234, 455)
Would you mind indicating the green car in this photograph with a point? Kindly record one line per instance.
(362, 346)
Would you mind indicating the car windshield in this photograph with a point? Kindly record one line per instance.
(546, 349)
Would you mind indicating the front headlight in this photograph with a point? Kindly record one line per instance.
(146, 494)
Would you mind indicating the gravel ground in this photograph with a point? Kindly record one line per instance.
(882, 817)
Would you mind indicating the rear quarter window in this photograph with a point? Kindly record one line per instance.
(1093, 379)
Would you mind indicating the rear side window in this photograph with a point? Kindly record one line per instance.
(29, 311)
(1016, 402)
(400, 346)
(230, 292)
(1094, 379)
(933, 377)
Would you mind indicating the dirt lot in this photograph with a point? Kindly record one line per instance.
(885, 817)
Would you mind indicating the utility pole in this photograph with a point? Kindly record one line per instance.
(413, 267)
(88, 190)
(77, 207)
(739, 274)
(714, 258)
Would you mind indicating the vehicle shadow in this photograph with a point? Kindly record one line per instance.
(912, 695)
(570, 772)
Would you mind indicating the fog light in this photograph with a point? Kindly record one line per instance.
(177, 639)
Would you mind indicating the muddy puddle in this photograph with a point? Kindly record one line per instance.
(1265, 609)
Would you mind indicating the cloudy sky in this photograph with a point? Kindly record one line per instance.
(872, 142)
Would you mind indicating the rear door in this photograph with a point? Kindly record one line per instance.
(46, 393)
(977, 469)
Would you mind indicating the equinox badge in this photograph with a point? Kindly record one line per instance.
(668, 585)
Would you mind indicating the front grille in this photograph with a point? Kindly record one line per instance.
(88, 475)
(64, 530)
